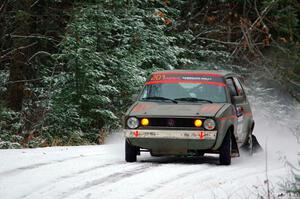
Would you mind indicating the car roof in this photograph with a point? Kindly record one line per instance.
(221, 73)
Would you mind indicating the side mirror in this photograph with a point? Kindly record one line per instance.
(134, 97)
(237, 99)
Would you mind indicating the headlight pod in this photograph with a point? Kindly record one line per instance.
(209, 124)
(132, 122)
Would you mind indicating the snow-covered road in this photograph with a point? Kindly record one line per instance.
(101, 172)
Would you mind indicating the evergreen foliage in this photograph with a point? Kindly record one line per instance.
(10, 126)
(79, 62)
(108, 50)
(105, 56)
(291, 184)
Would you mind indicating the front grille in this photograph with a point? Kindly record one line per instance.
(171, 122)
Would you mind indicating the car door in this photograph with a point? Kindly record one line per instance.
(235, 89)
(244, 107)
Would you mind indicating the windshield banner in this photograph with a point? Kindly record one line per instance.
(191, 78)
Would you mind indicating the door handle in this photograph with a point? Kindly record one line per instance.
(239, 111)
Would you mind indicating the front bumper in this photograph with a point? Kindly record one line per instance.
(171, 134)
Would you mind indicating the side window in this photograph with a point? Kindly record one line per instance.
(239, 87)
(231, 87)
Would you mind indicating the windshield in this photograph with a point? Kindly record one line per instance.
(190, 92)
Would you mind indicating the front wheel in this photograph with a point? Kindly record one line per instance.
(225, 150)
(130, 152)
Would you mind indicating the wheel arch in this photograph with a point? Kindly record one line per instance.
(221, 136)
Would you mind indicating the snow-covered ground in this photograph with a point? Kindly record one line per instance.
(101, 172)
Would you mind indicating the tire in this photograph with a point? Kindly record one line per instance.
(130, 152)
(225, 150)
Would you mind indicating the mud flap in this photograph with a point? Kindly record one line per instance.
(235, 150)
(256, 146)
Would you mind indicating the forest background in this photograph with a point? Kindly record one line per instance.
(68, 69)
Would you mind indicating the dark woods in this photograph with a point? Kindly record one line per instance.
(68, 69)
(30, 30)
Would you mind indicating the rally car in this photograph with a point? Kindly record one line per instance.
(181, 112)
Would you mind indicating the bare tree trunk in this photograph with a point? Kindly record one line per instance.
(19, 58)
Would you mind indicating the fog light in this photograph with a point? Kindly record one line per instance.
(145, 122)
(198, 123)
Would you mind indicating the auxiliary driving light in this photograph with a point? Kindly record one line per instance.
(197, 123)
(145, 122)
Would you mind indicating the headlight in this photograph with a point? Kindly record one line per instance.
(132, 122)
(209, 124)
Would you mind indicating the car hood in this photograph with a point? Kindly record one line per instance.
(169, 109)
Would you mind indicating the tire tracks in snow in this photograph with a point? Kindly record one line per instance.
(22, 169)
(71, 175)
(207, 179)
(188, 174)
(170, 180)
(112, 178)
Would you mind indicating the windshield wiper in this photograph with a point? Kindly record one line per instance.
(193, 99)
(159, 98)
